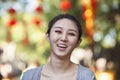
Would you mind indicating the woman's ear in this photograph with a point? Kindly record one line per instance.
(78, 43)
(47, 37)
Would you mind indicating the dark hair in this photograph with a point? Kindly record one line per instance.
(68, 16)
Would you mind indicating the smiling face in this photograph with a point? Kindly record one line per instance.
(63, 37)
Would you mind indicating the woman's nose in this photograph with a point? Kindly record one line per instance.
(64, 37)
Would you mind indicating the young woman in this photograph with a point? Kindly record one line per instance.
(64, 34)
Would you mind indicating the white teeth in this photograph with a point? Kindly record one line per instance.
(62, 45)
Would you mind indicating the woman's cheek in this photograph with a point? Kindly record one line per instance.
(73, 41)
(54, 38)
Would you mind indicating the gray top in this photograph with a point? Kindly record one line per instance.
(82, 74)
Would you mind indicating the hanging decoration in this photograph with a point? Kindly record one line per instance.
(39, 9)
(12, 21)
(65, 5)
(25, 41)
(8, 36)
(36, 21)
(88, 9)
(94, 6)
(11, 11)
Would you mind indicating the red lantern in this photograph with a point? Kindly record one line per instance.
(88, 8)
(65, 5)
(89, 27)
(11, 22)
(36, 21)
(94, 3)
(94, 6)
(87, 14)
(12, 11)
(25, 41)
(39, 9)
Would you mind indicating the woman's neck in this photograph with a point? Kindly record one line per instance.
(59, 65)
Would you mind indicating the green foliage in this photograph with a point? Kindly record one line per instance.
(106, 24)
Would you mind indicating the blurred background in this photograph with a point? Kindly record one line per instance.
(23, 44)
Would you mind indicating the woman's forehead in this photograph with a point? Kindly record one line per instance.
(65, 23)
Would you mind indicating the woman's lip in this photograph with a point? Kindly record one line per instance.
(62, 47)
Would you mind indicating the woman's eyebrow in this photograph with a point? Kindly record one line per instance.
(69, 29)
(73, 30)
(57, 27)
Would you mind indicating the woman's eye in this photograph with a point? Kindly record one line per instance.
(72, 34)
(57, 31)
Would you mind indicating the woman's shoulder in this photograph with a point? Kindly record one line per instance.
(85, 73)
(84, 69)
(33, 70)
(31, 73)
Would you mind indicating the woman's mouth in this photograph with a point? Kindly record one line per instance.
(62, 47)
